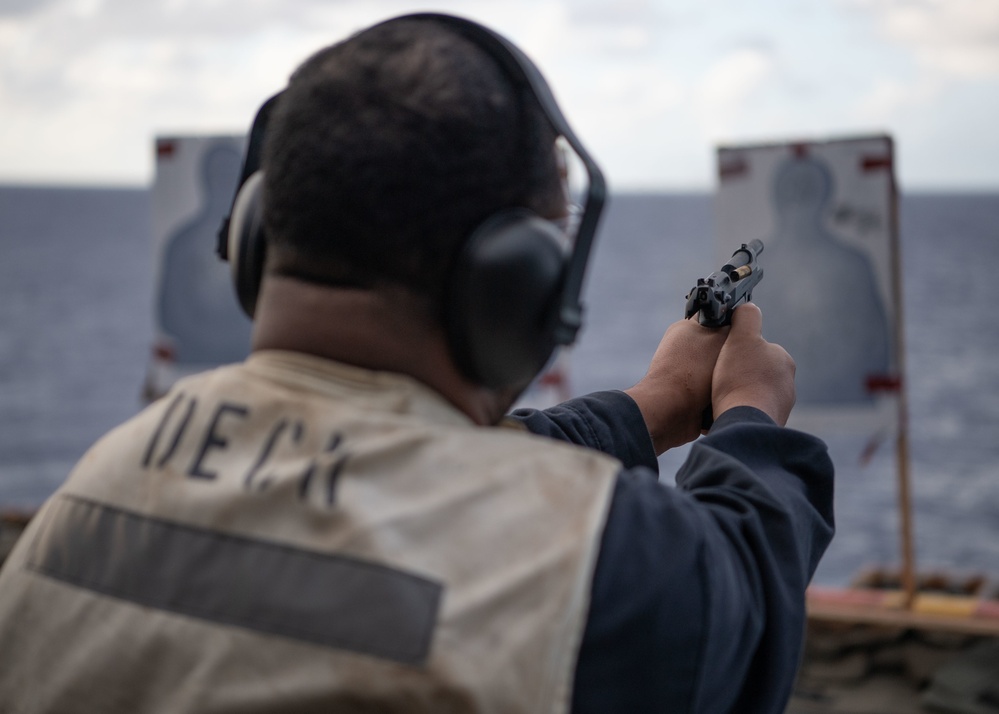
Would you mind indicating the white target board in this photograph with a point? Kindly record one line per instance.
(197, 318)
(826, 213)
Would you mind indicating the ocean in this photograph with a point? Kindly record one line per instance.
(76, 291)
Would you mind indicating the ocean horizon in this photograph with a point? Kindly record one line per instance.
(77, 279)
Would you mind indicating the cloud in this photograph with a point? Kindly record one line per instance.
(733, 78)
(728, 86)
(15, 8)
(86, 84)
(889, 98)
(957, 38)
(650, 85)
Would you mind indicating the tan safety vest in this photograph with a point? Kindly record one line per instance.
(294, 535)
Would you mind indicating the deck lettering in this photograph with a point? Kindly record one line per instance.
(178, 434)
(332, 474)
(154, 441)
(253, 480)
(214, 440)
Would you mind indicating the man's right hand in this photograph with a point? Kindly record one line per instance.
(752, 372)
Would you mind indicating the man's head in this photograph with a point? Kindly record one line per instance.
(387, 150)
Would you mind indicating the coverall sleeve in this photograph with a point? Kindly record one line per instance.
(698, 594)
(607, 421)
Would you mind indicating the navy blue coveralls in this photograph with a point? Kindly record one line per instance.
(698, 596)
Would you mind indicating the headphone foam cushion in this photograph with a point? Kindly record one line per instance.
(501, 302)
(246, 242)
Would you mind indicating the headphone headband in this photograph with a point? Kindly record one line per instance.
(517, 296)
(519, 66)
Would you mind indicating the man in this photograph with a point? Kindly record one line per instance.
(338, 525)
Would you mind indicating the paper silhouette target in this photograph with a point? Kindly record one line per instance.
(826, 213)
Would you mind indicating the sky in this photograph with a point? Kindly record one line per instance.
(651, 86)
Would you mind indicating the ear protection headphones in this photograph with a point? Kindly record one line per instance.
(513, 295)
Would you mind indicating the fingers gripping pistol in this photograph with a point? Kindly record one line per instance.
(716, 296)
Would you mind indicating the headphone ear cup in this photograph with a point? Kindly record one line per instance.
(246, 243)
(502, 299)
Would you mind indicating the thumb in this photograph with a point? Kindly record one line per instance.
(747, 321)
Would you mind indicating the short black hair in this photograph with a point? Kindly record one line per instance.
(388, 149)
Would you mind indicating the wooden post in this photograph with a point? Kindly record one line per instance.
(908, 574)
